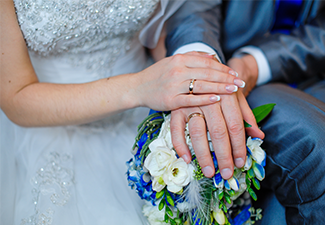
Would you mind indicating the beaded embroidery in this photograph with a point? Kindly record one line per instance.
(53, 179)
(94, 32)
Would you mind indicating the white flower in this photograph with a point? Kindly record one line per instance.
(159, 158)
(165, 132)
(158, 184)
(219, 216)
(188, 140)
(258, 153)
(248, 163)
(155, 217)
(178, 175)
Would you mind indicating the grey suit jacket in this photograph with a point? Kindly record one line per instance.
(293, 58)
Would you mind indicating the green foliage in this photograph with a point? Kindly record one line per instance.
(262, 111)
(256, 184)
(252, 193)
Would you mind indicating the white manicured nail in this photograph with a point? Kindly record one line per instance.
(240, 83)
(234, 73)
(231, 88)
(215, 98)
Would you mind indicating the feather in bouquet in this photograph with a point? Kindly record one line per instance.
(179, 193)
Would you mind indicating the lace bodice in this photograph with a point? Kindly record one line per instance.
(82, 27)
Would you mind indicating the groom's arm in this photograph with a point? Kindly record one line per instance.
(298, 56)
(291, 58)
(199, 32)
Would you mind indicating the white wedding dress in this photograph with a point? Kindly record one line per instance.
(75, 175)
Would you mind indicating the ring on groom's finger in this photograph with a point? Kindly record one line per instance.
(191, 87)
(194, 115)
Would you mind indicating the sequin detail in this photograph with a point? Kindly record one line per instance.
(94, 32)
(52, 180)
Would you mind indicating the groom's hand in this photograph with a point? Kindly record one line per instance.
(225, 124)
(247, 69)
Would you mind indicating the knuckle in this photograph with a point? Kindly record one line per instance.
(204, 159)
(197, 133)
(219, 133)
(177, 59)
(176, 71)
(236, 128)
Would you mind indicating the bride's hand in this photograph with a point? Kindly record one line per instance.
(165, 85)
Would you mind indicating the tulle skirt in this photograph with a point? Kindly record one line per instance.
(69, 175)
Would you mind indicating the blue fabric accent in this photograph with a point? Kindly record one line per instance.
(287, 13)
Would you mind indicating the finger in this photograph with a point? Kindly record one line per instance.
(249, 117)
(199, 61)
(193, 100)
(204, 87)
(234, 120)
(198, 134)
(220, 139)
(212, 75)
(177, 128)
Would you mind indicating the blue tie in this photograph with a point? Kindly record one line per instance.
(287, 13)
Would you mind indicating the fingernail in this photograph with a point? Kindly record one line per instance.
(215, 98)
(232, 72)
(231, 88)
(239, 162)
(226, 173)
(185, 157)
(240, 83)
(207, 171)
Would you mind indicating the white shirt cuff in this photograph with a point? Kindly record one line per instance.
(198, 47)
(264, 70)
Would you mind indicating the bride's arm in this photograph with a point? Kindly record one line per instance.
(163, 86)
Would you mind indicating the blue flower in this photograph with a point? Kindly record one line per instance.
(218, 180)
(215, 161)
(259, 171)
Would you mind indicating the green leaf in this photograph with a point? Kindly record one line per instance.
(262, 111)
(231, 192)
(250, 173)
(224, 208)
(166, 218)
(169, 211)
(159, 194)
(228, 199)
(170, 200)
(256, 184)
(172, 222)
(252, 193)
(220, 196)
(178, 220)
(161, 204)
(247, 124)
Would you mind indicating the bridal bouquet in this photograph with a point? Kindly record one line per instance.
(178, 193)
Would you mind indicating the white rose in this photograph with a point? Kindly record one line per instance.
(178, 175)
(165, 132)
(159, 158)
(258, 153)
(155, 217)
(158, 184)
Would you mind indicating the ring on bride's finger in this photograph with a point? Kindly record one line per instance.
(191, 87)
(194, 115)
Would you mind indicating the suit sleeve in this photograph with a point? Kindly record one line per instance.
(203, 27)
(299, 56)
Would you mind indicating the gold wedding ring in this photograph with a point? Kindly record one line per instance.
(191, 87)
(194, 115)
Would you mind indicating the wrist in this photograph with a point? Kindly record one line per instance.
(251, 64)
(132, 95)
